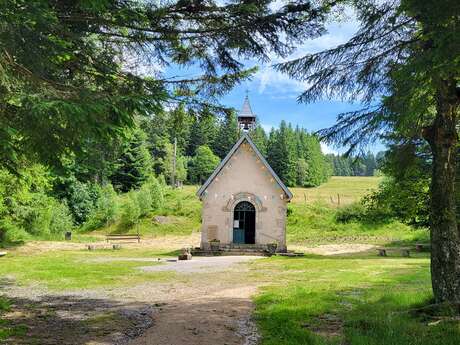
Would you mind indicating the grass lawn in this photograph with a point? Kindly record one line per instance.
(81, 269)
(358, 299)
(349, 188)
(315, 224)
(182, 212)
(353, 300)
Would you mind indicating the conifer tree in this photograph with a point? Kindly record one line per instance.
(203, 131)
(179, 121)
(402, 64)
(227, 135)
(69, 68)
(281, 154)
(134, 165)
(259, 137)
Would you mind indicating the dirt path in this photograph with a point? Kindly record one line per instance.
(206, 319)
(212, 305)
(208, 303)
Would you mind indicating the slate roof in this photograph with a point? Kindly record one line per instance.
(244, 137)
(246, 110)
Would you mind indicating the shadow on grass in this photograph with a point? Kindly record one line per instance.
(70, 319)
(383, 312)
(77, 320)
(11, 244)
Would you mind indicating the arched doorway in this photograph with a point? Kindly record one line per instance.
(244, 223)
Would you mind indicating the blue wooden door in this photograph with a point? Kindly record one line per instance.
(238, 235)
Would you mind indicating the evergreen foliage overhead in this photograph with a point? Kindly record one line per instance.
(69, 69)
(403, 65)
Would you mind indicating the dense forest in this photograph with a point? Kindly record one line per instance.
(364, 165)
(169, 147)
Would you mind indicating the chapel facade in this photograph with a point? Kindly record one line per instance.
(244, 201)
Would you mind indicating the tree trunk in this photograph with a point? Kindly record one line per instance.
(445, 235)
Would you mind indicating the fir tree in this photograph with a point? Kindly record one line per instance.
(227, 135)
(70, 80)
(281, 154)
(402, 64)
(179, 122)
(203, 132)
(134, 165)
(259, 137)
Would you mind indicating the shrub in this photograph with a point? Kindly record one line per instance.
(60, 218)
(352, 212)
(44, 216)
(404, 199)
(27, 209)
(82, 199)
(161, 180)
(130, 212)
(105, 211)
(144, 200)
(156, 192)
(34, 216)
(11, 232)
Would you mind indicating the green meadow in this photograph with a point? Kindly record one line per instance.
(354, 299)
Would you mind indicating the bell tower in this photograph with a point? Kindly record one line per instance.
(246, 118)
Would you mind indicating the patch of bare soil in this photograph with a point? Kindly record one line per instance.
(206, 306)
(76, 319)
(204, 318)
(335, 249)
(167, 242)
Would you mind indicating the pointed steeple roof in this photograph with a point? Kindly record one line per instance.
(246, 110)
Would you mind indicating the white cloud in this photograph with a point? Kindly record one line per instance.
(278, 85)
(326, 149)
(275, 82)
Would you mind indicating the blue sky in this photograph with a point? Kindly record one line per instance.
(273, 95)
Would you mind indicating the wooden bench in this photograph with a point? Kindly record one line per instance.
(384, 251)
(123, 238)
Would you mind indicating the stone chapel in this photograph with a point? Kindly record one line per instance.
(244, 201)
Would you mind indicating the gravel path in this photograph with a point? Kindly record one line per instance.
(201, 264)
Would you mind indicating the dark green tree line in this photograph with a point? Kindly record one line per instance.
(343, 165)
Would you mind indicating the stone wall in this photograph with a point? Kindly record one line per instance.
(244, 177)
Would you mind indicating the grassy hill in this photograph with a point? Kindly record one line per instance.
(311, 217)
(346, 188)
(313, 212)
